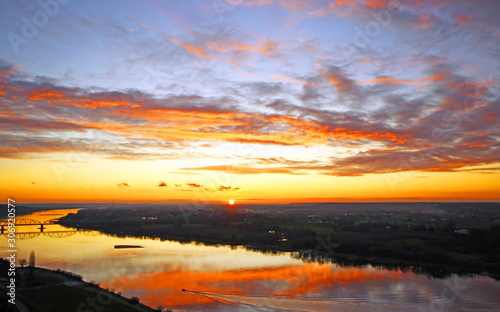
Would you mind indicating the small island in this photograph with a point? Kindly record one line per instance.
(128, 246)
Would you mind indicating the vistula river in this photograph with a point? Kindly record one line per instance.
(236, 279)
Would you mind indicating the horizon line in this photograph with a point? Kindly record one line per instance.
(276, 201)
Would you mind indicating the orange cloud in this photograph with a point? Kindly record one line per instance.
(326, 10)
(376, 4)
(492, 117)
(4, 73)
(153, 127)
(61, 97)
(471, 88)
(4, 84)
(462, 19)
(296, 81)
(289, 4)
(246, 169)
(194, 50)
(227, 188)
(425, 20)
(440, 76)
(391, 80)
(343, 85)
(215, 47)
(341, 3)
(387, 80)
(41, 95)
(267, 47)
(259, 2)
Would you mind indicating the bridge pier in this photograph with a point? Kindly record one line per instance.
(41, 227)
(1, 229)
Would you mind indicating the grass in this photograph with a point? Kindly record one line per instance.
(46, 276)
(410, 241)
(49, 293)
(5, 305)
(163, 226)
(156, 226)
(66, 298)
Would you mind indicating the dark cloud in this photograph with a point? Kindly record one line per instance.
(260, 88)
(162, 184)
(122, 185)
(338, 79)
(249, 169)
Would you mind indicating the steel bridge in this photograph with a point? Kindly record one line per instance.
(27, 222)
(51, 234)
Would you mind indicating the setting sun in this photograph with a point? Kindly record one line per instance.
(231, 202)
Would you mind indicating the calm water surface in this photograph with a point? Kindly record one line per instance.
(225, 279)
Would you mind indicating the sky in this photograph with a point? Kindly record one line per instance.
(260, 101)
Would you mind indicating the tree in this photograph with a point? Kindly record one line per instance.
(134, 300)
(32, 258)
(23, 262)
(32, 263)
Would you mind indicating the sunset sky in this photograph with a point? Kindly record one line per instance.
(259, 101)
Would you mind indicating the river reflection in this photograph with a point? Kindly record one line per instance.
(225, 279)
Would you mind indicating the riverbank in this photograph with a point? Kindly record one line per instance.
(47, 290)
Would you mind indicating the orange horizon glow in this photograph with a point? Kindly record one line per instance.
(153, 181)
(284, 201)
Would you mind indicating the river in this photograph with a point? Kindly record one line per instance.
(236, 279)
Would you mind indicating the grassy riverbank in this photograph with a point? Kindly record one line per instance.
(48, 290)
(5, 305)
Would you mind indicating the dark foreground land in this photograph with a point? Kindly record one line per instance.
(46, 290)
(436, 239)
